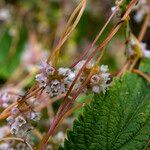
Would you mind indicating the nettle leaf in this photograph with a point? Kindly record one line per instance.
(120, 119)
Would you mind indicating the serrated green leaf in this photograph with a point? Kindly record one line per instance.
(120, 119)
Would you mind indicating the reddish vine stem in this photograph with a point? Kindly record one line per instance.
(66, 106)
(66, 34)
(85, 52)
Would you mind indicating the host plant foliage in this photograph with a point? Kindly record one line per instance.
(120, 119)
(118, 115)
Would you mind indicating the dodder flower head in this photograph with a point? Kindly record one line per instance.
(55, 81)
(4, 99)
(20, 119)
(98, 82)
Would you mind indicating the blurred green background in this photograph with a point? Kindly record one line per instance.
(28, 27)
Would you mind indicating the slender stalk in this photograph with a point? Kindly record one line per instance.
(146, 77)
(55, 53)
(66, 106)
(85, 52)
(124, 68)
(144, 27)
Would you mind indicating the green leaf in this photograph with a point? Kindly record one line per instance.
(9, 60)
(123, 6)
(145, 65)
(120, 119)
(5, 42)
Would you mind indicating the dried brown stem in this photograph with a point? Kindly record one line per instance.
(55, 52)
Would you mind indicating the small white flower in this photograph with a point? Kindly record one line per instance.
(35, 116)
(20, 121)
(10, 120)
(46, 67)
(59, 137)
(42, 79)
(104, 68)
(95, 79)
(4, 99)
(81, 63)
(43, 64)
(64, 71)
(96, 89)
(113, 8)
(55, 85)
(14, 128)
(14, 111)
(69, 79)
(50, 70)
(99, 81)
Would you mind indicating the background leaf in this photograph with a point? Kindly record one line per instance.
(11, 49)
(145, 65)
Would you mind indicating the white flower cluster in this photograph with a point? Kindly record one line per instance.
(58, 81)
(4, 99)
(98, 82)
(141, 9)
(20, 122)
(13, 145)
(55, 81)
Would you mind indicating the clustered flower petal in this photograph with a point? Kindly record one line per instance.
(20, 121)
(98, 82)
(55, 81)
(4, 99)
